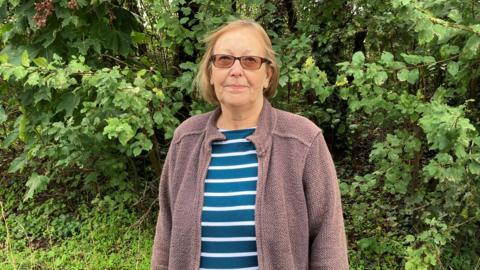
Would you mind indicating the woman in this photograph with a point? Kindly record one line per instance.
(247, 186)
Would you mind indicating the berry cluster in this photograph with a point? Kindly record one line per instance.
(43, 10)
(72, 4)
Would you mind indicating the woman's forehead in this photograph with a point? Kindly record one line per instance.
(242, 40)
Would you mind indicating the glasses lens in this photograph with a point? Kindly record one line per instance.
(223, 61)
(251, 62)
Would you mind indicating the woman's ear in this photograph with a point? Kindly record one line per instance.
(210, 75)
(266, 83)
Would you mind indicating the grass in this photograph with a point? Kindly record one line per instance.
(104, 236)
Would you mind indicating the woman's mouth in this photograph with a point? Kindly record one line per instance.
(236, 87)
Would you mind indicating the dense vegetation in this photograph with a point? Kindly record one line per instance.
(91, 91)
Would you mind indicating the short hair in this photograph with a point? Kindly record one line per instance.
(202, 80)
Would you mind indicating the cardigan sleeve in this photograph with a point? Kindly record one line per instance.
(327, 240)
(161, 243)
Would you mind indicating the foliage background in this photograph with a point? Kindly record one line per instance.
(91, 92)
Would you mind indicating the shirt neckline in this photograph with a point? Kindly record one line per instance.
(241, 129)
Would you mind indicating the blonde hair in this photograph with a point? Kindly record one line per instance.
(202, 80)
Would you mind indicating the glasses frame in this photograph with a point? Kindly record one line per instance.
(262, 60)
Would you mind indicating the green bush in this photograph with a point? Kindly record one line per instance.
(86, 118)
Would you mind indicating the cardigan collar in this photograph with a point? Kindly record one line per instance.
(261, 138)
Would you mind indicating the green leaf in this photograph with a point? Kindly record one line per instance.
(186, 11)
(36, 183)
(412, 59)
(455, 15)
(43, 93)
(474, 167)
(381, 77)
(19, 72)
(158, 118)
(413, 76)
(68, 102)
(11, 137)
(33, 79)
(78, 65)
(18, 164)
(283, 80)
(122, 130)
(126, 135)
(74, 20)
(453, 68)
(25, 59)
(188, 48)
(426, 35)
(471, 47)
(386, 58)
(402, 75)
(409, 238)
(183, 20)
(447, 50)
(440, 31)
(41, 62)
(3, 58)
(358, 59)
(139, 37)
(137, 151)
(400, 3)
(160, 23)
(3, 115)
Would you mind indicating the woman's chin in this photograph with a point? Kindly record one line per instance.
(235, 100)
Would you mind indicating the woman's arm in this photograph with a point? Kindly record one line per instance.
(327, 247)
(161, 244)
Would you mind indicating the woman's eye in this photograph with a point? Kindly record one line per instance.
(250, 60)
(225, 58)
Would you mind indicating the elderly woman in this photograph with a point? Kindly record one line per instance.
(247, 186)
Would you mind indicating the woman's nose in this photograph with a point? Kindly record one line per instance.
(236, 69)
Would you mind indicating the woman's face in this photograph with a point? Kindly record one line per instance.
(236, 86)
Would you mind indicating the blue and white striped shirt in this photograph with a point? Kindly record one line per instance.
(228, 213)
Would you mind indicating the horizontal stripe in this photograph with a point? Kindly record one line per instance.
(228, 208)
(245, 268)
(228, 239)
(223, 194)
(234, 223)
(233, 167)
(233, 147)
(228, 174)
(231, 187)
(220, 255)
(231, 141)
(232, 154)
(228, 263)
(228, 231)
(228, 216)
(229, 247)
(234, 160)
(229, 201)
(235, 180)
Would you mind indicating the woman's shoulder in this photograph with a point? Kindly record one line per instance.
(193, 125)
(296, 126)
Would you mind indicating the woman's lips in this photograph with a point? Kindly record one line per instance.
(236, 87)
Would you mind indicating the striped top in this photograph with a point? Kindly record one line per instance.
(228, 213)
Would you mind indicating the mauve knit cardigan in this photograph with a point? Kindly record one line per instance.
(298, 214)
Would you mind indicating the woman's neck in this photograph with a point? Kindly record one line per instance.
(239, 118)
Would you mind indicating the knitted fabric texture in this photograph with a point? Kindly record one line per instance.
(299, 222)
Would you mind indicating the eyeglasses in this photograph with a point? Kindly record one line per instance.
(247, 62)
